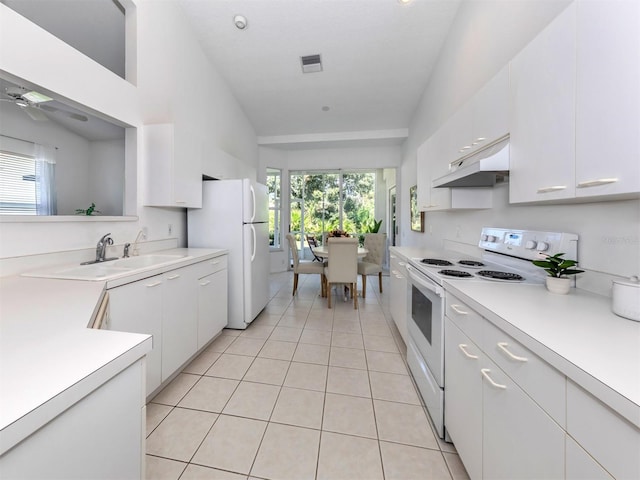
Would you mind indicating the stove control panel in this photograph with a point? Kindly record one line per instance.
(528, 244)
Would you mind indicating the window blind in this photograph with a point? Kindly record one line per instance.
(17, 184)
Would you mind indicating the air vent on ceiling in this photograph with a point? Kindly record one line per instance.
(311, 63)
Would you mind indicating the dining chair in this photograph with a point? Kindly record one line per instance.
(371, 264)
(343, 266)
(313, 243)
(304, 267)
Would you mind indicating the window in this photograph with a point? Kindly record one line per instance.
(17, 184)
(274, 177)
(27, 178)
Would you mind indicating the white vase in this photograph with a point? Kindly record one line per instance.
(559, 285)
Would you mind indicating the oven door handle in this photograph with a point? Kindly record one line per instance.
(418, 279)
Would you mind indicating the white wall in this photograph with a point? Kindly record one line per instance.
(106, 175)
(484, 37)
(171, 67)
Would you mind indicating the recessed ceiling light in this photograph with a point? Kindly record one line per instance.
(404, 2)
(240, 22)
(325, 108)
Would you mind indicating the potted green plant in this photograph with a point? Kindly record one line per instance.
(558, 270)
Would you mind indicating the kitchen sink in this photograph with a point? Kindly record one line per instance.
(106, 270)
(146, 261)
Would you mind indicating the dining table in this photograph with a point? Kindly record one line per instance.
(323, 252)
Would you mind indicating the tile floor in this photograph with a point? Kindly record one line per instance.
(304, 393)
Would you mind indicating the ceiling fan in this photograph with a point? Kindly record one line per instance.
(32, 103)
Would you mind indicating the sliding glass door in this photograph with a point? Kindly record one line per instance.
(322, 201)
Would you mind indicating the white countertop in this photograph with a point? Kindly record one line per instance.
(576, 333)
(49, 359)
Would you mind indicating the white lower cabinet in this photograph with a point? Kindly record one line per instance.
(212, 306)
(581, 465)
(101, 436)
(179, 319)
(183, 309)
(137, 308)
(512, 415)
(398, 297)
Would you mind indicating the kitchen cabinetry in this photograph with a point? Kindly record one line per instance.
(512, 415)
(212, 302)
(173, 168)
(183, 309)
(542, 114)
(102, 434)
(399, 295)
(137, 308)
(574, 107)
(179, 318)
(498, 430)
(608, 98)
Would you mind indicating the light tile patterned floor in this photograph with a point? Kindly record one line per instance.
(306, 392)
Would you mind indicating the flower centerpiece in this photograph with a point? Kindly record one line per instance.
(337, 233)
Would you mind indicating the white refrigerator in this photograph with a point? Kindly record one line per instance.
(234, 216)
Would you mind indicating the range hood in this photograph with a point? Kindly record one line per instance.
(480, 169)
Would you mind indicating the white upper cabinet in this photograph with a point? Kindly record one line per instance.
(608, 98)
(490, 111)
(575, 106)
(173, 168)
(542, 114)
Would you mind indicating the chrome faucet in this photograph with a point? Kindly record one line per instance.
(101, 247)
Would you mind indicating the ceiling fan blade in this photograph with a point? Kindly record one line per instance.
(75, 116)
(35, 114)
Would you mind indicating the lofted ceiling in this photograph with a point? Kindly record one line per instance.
(377, 56)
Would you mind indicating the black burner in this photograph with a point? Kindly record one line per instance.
(436, 261)
(471, 263)
(496, 275)
(455, 273)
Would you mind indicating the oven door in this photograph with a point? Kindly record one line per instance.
(425, 324)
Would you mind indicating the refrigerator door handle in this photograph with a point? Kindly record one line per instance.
(253, 210)
(253, 253)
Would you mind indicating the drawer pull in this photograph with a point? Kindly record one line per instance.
(393, 256)
(485, 373)
(554, 188)
(215, 262)
(456, 308)
(402, 264)
(155, 284)
(204, 284)
(596, 183)
(173, 277)
(463, 347)
(503, 346)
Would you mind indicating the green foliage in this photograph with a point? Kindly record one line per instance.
(556, 266)
(374, 226)
(89, 211)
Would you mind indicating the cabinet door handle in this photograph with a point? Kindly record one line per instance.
(554, 188)
(463, 348)
(485, 373)
(155, 284)
(205, 283)
(596, 183)
(503, 346)
(456, 308)
(173, 277)
(215, 262)
(402, 264)
(393, 256)
(395, 272)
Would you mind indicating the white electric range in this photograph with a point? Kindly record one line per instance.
(506, 257)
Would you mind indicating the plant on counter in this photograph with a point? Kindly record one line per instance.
(89, 211)
(558, 267)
